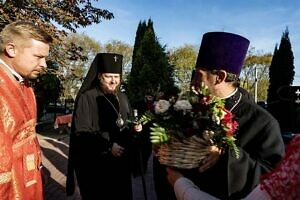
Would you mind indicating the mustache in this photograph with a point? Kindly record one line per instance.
(44, 71)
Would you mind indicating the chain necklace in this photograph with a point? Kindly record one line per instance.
(233, 100)
(119, 121)
(236, 103)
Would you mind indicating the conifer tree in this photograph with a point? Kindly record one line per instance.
(281, 76)
(151, 71)
(282, 67)
(273, 84)
(139, 36)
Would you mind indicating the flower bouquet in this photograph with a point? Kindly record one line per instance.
(183, 131)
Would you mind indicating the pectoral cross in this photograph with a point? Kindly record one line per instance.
(116, 58)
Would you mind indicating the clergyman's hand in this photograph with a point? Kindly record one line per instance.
(117, 150)
(211, 159)
(173, 175)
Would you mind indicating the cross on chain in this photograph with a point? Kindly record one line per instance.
(297, 92)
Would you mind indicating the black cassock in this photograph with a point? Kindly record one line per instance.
(260, 145)
(99, 174)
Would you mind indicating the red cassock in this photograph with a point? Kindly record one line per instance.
(20, 154)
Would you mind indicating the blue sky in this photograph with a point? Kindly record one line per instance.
(179, 22)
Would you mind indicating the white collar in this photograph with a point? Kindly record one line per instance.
(16, 75)
(230, 94)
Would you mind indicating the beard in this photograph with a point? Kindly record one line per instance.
(107, 90)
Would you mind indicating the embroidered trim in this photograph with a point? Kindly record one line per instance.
(284, 181)
(5, 177)
(28, 131)
(29, 183)
(26, 140)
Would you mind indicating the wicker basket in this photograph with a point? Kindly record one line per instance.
(184, 154)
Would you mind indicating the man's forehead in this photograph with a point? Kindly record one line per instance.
(199, 71)
(202, 69)
(110, 74)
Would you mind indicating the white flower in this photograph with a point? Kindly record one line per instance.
(208, 135)
(182, 105)
(216, 119)
(161, 106)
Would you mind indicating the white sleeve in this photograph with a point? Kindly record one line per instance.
(185, 189)
(258, 194)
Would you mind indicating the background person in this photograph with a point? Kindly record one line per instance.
(100, 142)
(23, 51)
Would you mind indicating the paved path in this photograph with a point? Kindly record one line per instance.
(55, 150)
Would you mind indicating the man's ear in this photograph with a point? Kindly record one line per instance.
(10, 49)
(221, 76)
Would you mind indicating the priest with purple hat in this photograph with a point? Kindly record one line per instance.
(221, 174)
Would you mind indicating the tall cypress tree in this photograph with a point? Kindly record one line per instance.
(135, 65)
(281, 75)
(151, 70)
(133, 78)
(142, 27)
(273, 76)
(286, 59)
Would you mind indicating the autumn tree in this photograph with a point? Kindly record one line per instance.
(79, 67)
(254, 74)
(183, 59)
(75, 70)
(58, 18)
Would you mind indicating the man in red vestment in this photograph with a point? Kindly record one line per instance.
(23, 49)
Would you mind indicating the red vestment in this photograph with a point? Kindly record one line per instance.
(284, 181)
(20, 154)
